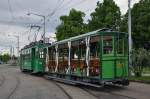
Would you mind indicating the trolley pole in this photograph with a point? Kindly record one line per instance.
(129, 31)
(44, 29)
(44, 25)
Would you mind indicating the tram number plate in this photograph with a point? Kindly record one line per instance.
(120, 65)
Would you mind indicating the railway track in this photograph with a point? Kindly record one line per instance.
(14, 89)
(98, 96)
(119, 95)
(62, 89)
(2, 80)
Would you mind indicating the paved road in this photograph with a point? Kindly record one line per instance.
(17, 85)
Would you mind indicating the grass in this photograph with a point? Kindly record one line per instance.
(146, 70)
(143, 79)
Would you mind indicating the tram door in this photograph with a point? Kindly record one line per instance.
(121, 56)
(107, 57)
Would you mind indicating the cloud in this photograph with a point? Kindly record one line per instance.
(14, 19)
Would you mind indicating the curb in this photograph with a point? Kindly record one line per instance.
(145, 82)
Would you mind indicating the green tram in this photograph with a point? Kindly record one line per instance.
(95, 58)
(32, 57)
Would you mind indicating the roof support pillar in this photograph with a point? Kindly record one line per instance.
(88, 54)
(69, 56)
(56, 49)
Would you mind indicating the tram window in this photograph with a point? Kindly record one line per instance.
(75, 49)
(107, 45)
(75, 54)
(94, 46)
(52, 53)
(60, 54)
(78, 56)
(52, 58)
(36, 49)
(120, 45)
(126, 46)
(62, 57)
(63, 51)
(82, 48)
(79, 49)
(41, 54)
(94, 56)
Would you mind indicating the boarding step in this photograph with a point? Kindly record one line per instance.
(72, 81)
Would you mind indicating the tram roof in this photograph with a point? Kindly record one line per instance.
(99, 31)
(87, 34)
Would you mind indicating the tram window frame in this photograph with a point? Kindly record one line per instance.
(95, 55)
(111, 53)
(61, 51)
(29, 54)
(37, 52)
(96, 47)
(62, 57)
(122, 45)
(82, 49)
(75, 50)
(53, 53)
(78, 56)
(52, 58)
(41, 53)
(125, 45)
(78, 49)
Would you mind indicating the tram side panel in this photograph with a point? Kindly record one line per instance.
(26, 60)
(38, 59)
(95, 58)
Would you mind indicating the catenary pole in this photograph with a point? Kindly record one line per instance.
(129, 31)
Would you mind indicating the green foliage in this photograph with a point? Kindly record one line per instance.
(4, 58)
(140, 23)
(106, 15)
(145, 79)
(140, 60)
(71, 25)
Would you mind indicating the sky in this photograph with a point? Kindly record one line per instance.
(15, 21)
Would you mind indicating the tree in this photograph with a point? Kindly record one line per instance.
(106, 15)
(71, 25)
(140, 24)
(140, 60)
(4, 58)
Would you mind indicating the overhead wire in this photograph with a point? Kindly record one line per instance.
(36, 34)
(61, 8)
(76, 4)
(56, 8)
(11, 15)
(10, 9)
(29, 34)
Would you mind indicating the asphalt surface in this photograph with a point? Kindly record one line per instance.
(17, 85)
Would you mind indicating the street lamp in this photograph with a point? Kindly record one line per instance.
(43, 36)
(17, 42)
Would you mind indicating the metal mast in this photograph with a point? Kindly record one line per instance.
(129, 30)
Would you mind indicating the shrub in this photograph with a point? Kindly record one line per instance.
(140, 59)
